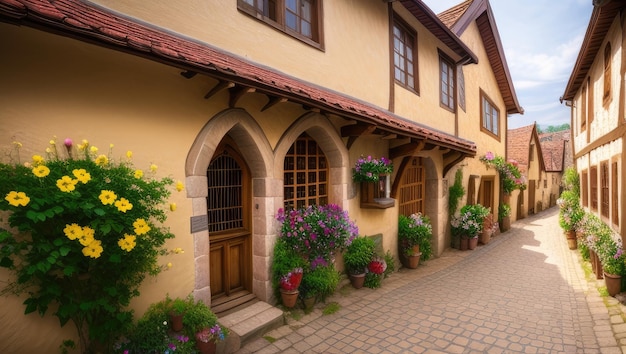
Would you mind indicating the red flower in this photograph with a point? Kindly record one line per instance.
(377, 266)
(291, 281)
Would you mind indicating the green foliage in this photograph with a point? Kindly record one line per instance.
(553, 128)
(504, 210)
(86, 232)
(455, 192)
(391, 264)
(470, 222)
(415, 230)
(359, 254)
(179, 306)
(285, 260)
(320, 282)
(571, 180)
(570, 211)
(368, 169)
(607, 244)
(510, 176)
(197, 317)
(331, 308)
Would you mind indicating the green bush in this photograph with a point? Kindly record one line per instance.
(86, 231)
(358, 255)
(320, 282)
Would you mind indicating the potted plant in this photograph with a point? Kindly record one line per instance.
(469, 224)
(369, 169)
(207, 338)
(357, 257)
(375, 272)
(414, 235)
(177, 308)
(510, 176)
(287, 271)
(375, 177)
(609, 250)
(504, 217)
(318, 283)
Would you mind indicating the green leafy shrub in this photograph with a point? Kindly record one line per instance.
(86, 231)
(359, 254)
(320, 282)
(415, 230)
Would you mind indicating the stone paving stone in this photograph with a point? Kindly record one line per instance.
(524, 292)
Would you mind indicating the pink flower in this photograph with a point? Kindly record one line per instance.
(489, 156)
(68, 142)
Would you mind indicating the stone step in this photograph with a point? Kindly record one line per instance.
(249, 323)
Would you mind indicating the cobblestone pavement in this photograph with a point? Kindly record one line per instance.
(523, 292)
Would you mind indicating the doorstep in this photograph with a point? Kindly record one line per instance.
(249, 323)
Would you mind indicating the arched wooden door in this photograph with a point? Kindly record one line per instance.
(228, 204)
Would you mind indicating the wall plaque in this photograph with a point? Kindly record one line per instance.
(199, 223)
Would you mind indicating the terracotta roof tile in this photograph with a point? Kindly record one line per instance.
(451, 15)
(518, 143)
(87, 21)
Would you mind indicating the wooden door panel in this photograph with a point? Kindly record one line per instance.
(216, 260)
(229, 262)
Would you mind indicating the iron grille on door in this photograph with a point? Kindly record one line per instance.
(305, 174)
(412, 188)
(224, 200)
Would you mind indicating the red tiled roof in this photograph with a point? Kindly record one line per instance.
(453, 14)
(93, 24)
(556, 150)
(518, 143)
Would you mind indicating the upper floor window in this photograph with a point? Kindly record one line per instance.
(404, 56)
(607, 73)
(446, 73)
(461, 87)
(299, 18)
(490, 116)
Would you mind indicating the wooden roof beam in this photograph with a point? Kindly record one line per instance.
(274, 100)
(221, 85)
(237, 93)
(408, 149)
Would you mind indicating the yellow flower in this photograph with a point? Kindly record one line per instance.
(129, 154)
(17, 144)
(86, 238)
(180, 186)
(37, 160)
(153, 168)
(66, 184)
(102, 160)
(138, 174)
(141, 226)
(123, 205)
(17, 198)
(82, 175)
(73, 231)
(41, 171)
(107, 197)
(93, 250)
(178, 250)
(169, 265)
(89, 231)
(52, 142)
(48, 151)
(93, 150)
(173, 206)
(127, 243)
(83, 146)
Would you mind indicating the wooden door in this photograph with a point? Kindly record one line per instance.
(412, 190)
(531, 196)
(228, 204)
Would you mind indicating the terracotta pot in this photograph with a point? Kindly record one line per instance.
(464, 243)
(613, 283)
(505, 225)
(485, 237)
(289, 297)
(357, 280)
(572, 241)
(209, 347)
(412, 262)
(472, 243)
(176, 321)
(310, 301)
(596, 266)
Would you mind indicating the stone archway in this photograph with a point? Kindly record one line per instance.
(256, 151)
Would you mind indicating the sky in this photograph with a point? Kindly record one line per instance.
(541, 41)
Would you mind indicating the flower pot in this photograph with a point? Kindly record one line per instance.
(485, 237)
(596, 266)
(572, 242)
(412, 262)
(310, 301)
(464, 243)
(613, 283)
(209, 347)
(357, 280)
(472, 242)
(176, 322)
(505, 225)
(289, 297)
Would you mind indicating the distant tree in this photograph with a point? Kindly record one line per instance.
(553, 128)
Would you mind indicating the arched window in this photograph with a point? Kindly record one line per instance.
(305, 174)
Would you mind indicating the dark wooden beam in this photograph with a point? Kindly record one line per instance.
(448, 165)
(221, 85)
(237, 93)
(274, 100)
(357, 129)
(408, 149)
